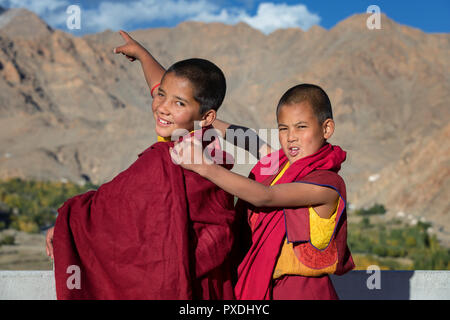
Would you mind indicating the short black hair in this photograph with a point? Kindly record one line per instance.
(315, 95)
(207, 79)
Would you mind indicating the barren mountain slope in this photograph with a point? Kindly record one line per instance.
(71, 109)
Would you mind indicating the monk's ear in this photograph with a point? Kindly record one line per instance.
(208, 118)
(328, 128)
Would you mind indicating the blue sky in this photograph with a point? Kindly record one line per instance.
(267, 16)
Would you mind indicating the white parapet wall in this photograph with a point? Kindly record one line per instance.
(355, 285)
(27, 285)
(393, 285)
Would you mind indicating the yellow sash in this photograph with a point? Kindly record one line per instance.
(321, 231)
(163, 139)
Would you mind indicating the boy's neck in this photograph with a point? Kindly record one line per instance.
(167, 139)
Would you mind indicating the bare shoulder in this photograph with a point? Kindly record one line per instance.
(330, 185)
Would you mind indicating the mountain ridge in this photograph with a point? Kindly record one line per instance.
(71, 109)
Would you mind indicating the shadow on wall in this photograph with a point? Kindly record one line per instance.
(374, 285)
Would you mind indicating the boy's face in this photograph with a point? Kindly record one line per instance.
(300, 133)
(174, 106)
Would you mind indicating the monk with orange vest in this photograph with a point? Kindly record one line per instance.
(295, 202)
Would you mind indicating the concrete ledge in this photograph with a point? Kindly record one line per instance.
(27, 285)
(355, 285)
(393, 285)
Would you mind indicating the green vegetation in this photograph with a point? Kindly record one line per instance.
(375, 209)
(31, 205)
(388, 245)
(7, 240)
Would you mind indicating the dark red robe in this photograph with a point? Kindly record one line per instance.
(270, 226)
(156, 231)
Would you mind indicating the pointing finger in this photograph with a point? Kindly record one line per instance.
(125, 36)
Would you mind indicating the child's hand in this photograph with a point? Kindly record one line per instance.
(49, 242)
(190, 155)
(131, 49)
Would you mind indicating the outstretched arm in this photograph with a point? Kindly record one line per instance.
(244, 138)
(133, 50)
(153, 72)
(281, 195)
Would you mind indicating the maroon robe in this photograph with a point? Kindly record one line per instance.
(270, 226)
(156, 231)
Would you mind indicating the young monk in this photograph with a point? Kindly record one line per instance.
(153, 71)
(151, 233)
(297, 212)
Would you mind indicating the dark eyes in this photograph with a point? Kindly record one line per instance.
(178, 103)
(298, 127)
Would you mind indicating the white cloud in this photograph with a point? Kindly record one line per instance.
(52, 11)
(125, 14)
(269, 17)
(40, 7)
(114, 14)
(117, 15)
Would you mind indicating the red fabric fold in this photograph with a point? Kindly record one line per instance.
(268, 224)
(156, 231)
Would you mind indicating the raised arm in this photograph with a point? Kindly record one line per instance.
(133, 50)
(153, 72)
(281, 195)
(243, 137)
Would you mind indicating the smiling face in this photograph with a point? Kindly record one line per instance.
(174, 106)
(300, 132)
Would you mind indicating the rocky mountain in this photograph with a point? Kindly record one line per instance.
(72, 109)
